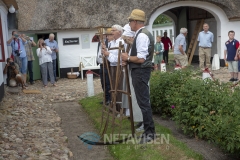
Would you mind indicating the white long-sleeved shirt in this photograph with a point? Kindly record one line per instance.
(142, 43)
(44, 55)
(113, 54)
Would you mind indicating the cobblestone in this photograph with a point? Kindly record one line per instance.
(30, 127)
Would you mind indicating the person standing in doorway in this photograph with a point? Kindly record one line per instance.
(30, 57)
(231, 55)
(166, 42)
(54, 48)
(205, 39)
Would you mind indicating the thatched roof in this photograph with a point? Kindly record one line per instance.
(75, 14)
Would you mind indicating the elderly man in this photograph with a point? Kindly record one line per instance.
(180, 48)
(128, 37)
(30, 57)
(112, 57)
(54, 47)
(205, 39)
(17, 43)
(140, 64)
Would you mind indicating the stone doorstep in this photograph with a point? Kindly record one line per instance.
(13, 89)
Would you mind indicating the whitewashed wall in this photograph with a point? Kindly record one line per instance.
(161, 30)
(69, 55)
(3, 13)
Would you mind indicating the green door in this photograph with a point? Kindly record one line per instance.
(36, 67)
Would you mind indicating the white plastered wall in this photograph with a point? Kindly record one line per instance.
(69, 55)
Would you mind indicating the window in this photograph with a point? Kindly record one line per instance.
(153, 34)
(161, 32)
(157, 33)
(2, 53)
(165, 31)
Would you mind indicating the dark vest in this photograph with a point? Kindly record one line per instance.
(148, 61)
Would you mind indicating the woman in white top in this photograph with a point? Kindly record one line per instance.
(45, 62)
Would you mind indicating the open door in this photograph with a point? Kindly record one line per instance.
(36, 67)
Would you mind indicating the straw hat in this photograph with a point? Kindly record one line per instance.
(137, 14)
(105, 32)
(108, 31)
(127, 31)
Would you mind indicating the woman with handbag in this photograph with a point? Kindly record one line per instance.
(45, 62)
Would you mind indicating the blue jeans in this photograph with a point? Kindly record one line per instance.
(46, 69)
(30, 71)
(54, 61)
(107, 82)
(24, 63)
(140, 79)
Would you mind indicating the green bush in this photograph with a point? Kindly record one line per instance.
(162, 86)
(204, 109)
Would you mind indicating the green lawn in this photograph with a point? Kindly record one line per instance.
(172, 151)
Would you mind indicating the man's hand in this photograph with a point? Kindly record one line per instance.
(105, 52)
(13, 67)
(125, 57)
(157, 52)
(8, 64)
(236, 58)
(124, 63)
(225, 58)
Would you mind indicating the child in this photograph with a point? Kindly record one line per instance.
(158, 53)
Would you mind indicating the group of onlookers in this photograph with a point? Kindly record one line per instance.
(22, 57)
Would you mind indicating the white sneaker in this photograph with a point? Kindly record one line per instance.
(140, 129)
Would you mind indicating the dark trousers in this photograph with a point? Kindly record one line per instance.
(30, 71)
(107, 82)
(54, 69)
(140, 79)
(165, 56)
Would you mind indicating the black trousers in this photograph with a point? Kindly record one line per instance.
(107, 82)
(30, 71)
(140, 79)
(165, 56)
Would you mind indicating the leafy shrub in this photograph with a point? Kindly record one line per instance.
(204, 109)
(162, 86)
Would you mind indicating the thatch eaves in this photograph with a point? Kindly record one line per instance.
(83, 14)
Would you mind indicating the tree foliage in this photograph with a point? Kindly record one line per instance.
(161, 19)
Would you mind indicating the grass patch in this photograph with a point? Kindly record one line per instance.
(174, 150)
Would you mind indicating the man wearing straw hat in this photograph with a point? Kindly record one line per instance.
(128, 37)
(140, 64)
(100, 61)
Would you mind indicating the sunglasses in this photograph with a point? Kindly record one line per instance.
(130, 20)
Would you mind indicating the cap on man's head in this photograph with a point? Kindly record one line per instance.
(108, 31)
(138, 15)
(127, 31)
